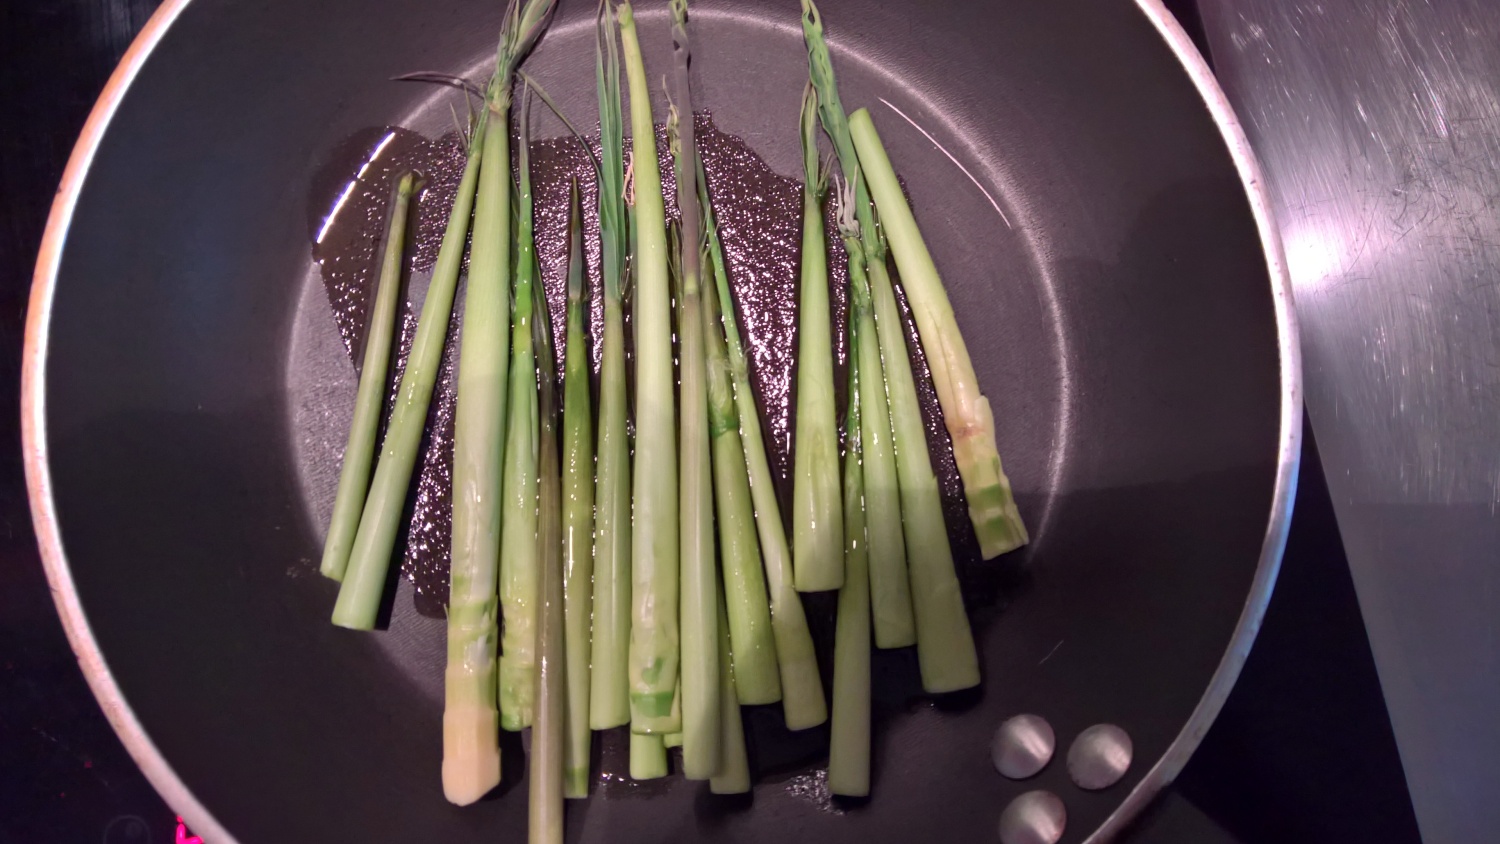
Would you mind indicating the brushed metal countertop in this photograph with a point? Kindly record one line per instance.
(1378, 128)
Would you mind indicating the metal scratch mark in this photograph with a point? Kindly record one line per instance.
(959, 164)
(1051, 652)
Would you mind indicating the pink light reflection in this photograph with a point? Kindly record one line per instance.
(182, 836)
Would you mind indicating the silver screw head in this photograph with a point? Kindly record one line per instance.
(1023, 746)
(1036, 817)
(1099, 757)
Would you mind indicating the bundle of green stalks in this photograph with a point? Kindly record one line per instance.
(945, 644)
(802, 701)
(480, 437)
(359, 453)
(359, 555)
(665, 599)
(966, 412)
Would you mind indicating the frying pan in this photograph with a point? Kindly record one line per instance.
(1111, 263)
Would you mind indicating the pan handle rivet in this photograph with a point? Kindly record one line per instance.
(1023, 746)
(1036, 817)
(1099, 757)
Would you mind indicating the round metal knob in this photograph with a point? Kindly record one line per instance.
(1023, 746)
(1099, 757)
(1036, 817)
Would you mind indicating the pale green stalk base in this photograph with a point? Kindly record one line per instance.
(648, 757)
(672, 740)
(519, 564)
(817, 524)
(471, 760)
(734, 772)
(359, 453)
(518, 568)
(890, 597)
(802, 700)
(752, 645)
(549, 733)
(545, 825)
(945, 645)
(700, 640)
(699, 692)
(609, 699)
(654, 551)
(370, 559)
(609, 695)
(849, 736)
(578, 517)
(479, 439)
(802, 697)
(471, 739)
(890, 588)
(478, 445)
(849, 741)
(966, 412)
(548, 738)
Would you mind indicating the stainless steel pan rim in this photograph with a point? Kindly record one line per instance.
(177, 794)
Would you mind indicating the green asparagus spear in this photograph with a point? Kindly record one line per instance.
(734, 774)
(609, 701)
(849, 742)
(802, 697)
(945, 644)
(700, 582)
(890, 591)
(654, 552)
(370, 559)
(817, 524)
(578, 507)
(549, 732)
(752, 647)
(966, 411)
(471, 755)
(518, 546)
(354, 478)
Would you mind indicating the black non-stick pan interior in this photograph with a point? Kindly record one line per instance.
(1106, 272)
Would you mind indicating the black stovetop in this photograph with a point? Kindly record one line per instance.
(1303, 750)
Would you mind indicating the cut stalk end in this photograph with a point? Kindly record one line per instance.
(471, 753)
(517, 693)
(576, 784)
(648, 757)
(992, 505)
